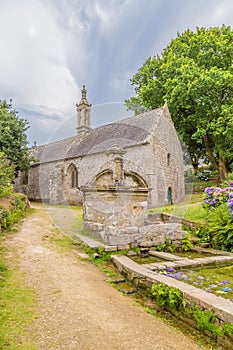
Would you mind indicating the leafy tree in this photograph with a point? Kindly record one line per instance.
(13, 140)
(6, 175)
(195, 75)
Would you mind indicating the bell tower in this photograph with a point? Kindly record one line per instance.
(83, 114)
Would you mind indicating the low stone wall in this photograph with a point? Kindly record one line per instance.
(146, 236)
(166, 218)
(157, 234)
(143, 278)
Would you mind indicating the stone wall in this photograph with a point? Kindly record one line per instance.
(115, 207)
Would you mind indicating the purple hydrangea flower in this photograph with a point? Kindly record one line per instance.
(224, 282)
(170, 269)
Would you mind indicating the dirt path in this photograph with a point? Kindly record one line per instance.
(77, 308)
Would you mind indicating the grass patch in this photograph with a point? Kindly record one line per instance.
(192, 213)
(16, 306)
(66, 242)
(61, 240)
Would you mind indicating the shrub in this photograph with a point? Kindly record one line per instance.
(6, 175)
(207, 321)
(216, 196)
(219, 204)
(167, 297)
(170, 298)
(9, 217)
(220, 227)
(187, 244)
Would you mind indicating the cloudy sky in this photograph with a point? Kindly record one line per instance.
(50, 48)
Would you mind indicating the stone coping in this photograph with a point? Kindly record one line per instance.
(179, 262)
(223, 308)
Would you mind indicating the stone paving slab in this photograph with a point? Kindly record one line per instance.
(164, 255)
(90, 242)
(211, 251)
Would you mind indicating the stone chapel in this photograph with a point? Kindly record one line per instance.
(141, 153)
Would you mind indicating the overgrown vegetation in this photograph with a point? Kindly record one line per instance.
(6, 175)
(16, 209)
(218, 203)
(171, 299)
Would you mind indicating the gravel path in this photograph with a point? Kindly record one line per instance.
(77, 308)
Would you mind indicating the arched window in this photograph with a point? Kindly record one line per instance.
(72, 174)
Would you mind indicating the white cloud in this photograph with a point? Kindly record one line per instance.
(33, 65)
(50, 48)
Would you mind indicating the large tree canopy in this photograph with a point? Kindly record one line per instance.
(13, 140)
(195, 74)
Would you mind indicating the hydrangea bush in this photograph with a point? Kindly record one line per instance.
(219, 204)
(216, 196)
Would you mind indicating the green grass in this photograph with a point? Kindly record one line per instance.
(189, 209)
(65, 242)
(16, 306)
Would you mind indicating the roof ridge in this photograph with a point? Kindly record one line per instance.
(143, 113)
(128, 118)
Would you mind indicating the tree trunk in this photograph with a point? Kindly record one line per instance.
(222, 168)
(210, 153)
(195, 167)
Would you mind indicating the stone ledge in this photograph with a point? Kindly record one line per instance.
(223, 308)
(90, 242)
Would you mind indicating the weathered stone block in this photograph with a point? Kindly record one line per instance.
(146, 229)
(128, 230)
(146, 244)
(123, 246)
(111, 230)
(110, 248)
(93, 226)
(117, 239)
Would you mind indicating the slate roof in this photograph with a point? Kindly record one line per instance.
(52, 151)
(127, 132)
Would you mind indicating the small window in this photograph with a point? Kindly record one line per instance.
(168, 159)
(72, 174)
(74, 179)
